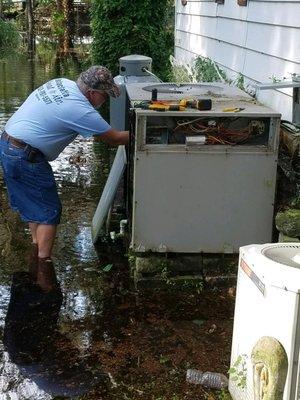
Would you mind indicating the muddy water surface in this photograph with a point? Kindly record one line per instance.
(94, 336)
(45, 345)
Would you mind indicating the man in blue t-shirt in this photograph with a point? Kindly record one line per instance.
(49, 119)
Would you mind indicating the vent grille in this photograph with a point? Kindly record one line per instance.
(286, 254)
(194, 88)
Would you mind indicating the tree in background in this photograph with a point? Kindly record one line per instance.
(30, 26)
(1, 9)
(123, 27)
(65, 25)
(9, 37)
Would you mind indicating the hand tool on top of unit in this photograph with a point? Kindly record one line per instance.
(233, 109)
(199, 104)
(161, 106)
(154, 95)
(180, 105)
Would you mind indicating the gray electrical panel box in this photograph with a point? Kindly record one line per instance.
(203, 181)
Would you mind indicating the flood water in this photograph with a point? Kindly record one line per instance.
(94, 336)
(44, 354)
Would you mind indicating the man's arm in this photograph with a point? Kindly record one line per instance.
(113, 137)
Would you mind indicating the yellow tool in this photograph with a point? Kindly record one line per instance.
(233, 109)
(180, 105)
(204, 104)
(156, 106)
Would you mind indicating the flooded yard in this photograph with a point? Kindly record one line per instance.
(94, 336)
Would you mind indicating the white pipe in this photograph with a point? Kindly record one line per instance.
(123, 224)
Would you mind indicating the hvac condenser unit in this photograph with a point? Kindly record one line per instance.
(196, 180)
(266, 335)
(202, 180)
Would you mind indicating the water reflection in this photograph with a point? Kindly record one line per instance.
(43, 355)
(48, 339)
(20, 74)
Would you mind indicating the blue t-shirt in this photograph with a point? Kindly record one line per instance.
(53, 115)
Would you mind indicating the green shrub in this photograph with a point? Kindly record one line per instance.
(207, 71)
(9, 37)
(123, 27)
(200, 69)
(58, 23)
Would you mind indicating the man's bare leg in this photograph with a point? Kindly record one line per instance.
(45, 235)
(33, 254)
(46, 277)
(33, 227)
(39, 260)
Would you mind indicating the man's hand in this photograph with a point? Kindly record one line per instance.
(113, 137)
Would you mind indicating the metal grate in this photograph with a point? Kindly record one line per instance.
(286, 254)
(185, 88)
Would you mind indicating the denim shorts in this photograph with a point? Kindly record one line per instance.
(31, 186)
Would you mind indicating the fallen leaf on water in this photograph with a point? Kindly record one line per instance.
(212, 328)
(107, 267)
(198, 322)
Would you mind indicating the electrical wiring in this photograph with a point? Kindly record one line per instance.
(219, 132)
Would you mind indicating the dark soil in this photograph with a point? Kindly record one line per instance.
(153, 338)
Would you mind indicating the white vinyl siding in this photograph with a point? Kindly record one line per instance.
(259, 41)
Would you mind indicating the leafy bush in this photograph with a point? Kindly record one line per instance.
(9, 37)
(58, 23)
(181, 71)
(123, 27)
(207, 71)
(200, 69)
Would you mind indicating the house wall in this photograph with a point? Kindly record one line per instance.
(259, 41)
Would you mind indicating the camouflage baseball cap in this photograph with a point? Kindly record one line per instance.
(100, 78)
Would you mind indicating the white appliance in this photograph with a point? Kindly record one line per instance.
(267, 305)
